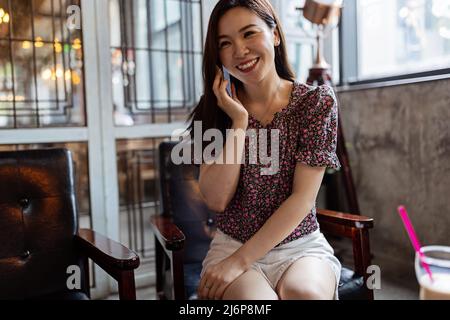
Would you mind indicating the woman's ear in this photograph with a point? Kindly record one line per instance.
(276, 37)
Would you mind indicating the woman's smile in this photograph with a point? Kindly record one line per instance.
(248, 65)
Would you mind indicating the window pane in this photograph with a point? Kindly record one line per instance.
(140, 24)
(114, 26)
(41, 66)
(138, 195)
(193, 10)
(20, 16)
(173, 14)
(159, 78)
(49, 20)
(301, 58)
(402, 36)
(293, 20)
(5, 19)
(158, 24)
(155, 50)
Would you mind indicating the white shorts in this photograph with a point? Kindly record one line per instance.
(277, 261)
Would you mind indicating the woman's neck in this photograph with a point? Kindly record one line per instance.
(263, 91)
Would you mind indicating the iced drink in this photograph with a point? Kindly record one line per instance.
(437, 260)
(439, 289)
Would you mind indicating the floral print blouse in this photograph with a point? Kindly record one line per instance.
(307, 134)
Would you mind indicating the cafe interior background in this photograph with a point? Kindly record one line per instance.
(111, 90)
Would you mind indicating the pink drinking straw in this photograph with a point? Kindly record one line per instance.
(413, 237)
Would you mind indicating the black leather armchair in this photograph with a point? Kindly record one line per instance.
(39, 234)
(185, 228)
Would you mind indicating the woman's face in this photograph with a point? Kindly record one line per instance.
(246, 45)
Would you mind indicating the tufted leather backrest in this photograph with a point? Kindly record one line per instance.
(181, 200)
(38, 221)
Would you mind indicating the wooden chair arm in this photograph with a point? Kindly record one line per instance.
(344, 219)
(167, 233)
(106, 252)
(356, 228)
(117, 260)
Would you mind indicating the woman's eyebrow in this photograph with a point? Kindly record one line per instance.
(240, 30)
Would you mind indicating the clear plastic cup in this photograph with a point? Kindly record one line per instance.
(438, 259)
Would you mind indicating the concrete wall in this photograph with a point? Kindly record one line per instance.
(398, 139)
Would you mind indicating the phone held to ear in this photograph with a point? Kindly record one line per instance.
(226, 76)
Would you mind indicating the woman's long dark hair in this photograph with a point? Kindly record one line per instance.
(207, 109)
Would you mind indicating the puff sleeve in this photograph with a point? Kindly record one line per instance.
(317, 139)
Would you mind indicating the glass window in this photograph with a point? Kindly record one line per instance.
(301, 58)
(402, 36)
(156, 49)
(139, 195)
(292, 19)
(41, 65)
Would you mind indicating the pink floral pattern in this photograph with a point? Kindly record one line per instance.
(308, 134)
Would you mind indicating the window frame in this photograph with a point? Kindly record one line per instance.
(348, 59)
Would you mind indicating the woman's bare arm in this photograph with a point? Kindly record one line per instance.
(218, 181)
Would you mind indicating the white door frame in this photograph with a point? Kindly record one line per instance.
(110, 133)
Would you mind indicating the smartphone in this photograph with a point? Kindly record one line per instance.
(227, 76)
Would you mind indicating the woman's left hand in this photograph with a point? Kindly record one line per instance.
(218, 277)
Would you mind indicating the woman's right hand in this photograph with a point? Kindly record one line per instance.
(230, 105)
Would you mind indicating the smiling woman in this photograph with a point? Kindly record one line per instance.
(268, 244)
(263, 24)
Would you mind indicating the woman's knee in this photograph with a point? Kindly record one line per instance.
(307, 291)
(307, 278)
